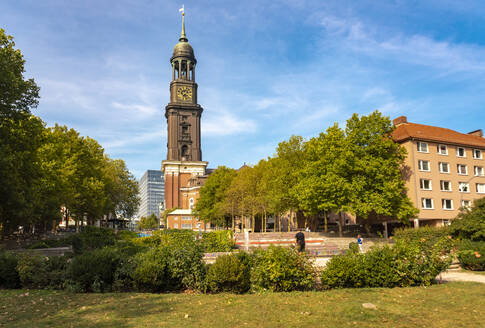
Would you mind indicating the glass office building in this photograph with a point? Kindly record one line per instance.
(152, 193)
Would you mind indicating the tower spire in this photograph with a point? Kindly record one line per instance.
(183, 37)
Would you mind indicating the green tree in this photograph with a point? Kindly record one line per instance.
(326, 178)
(470, 223)
(211, 205)
(17, 95)
(378, 187)
(20, 171)
(148, 222)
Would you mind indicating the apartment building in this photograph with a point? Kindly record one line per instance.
(444, 171)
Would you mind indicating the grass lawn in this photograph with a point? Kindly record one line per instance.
(474, 272)
(448, 305)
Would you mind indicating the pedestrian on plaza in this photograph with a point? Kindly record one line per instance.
(360, 242)
(300, 241)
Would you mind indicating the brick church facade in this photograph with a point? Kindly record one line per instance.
(184, 171)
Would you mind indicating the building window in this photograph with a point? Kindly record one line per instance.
(464, 187)
(446, 222)
(175, 225)
(466, 204)
(479, 171)
(175, 218)
(425, 184)
(186, 225)
(460, 152)
(442, 150)
(422, 147)
(423, 165)
(186, 218)
(444, 167)
(462, 169)
(445, 185)
(427, 203)
(447, 204)
(481, 188)
(477, 154)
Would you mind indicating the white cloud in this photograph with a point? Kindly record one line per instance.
(143, 109)
(416, 49)
(224, 124)
(125, 140)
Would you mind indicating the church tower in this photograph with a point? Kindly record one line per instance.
(183, 168)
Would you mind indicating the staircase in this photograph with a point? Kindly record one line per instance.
(317, 243)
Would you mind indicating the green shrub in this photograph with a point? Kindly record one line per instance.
(93, 271)
(218, 241)
(173, 237)
(281, 269)
(95, 238)
(167, 268)
(32, 271)
(42, 272)
(152, 272)
(230, 273)
(408, 263)
(9, 277)
(472, 255)
(427, 235)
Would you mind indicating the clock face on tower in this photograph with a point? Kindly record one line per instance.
(184, 93)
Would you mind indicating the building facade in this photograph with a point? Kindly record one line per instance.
(445, 169)
(184, 171)
(151, 192)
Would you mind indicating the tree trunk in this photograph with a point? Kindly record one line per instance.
(340, 224)
(325, 221)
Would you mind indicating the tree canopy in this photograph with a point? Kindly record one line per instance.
(43, 169)
(356, 169)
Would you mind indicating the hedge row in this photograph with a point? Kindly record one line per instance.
(164, 268)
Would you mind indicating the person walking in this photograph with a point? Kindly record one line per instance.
(360, 242)
(300, 241)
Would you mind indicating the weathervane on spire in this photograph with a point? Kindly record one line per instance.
(183, 37)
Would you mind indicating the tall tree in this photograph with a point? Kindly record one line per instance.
(326, 179)
(17, 95)
(211, 205)
(379, 189)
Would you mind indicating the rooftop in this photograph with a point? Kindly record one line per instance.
(406, 130)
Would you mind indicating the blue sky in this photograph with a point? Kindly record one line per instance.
(266, 69)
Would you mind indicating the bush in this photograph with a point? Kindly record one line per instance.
(218, 241)
(472, 255)
(427, 235)
(230, 273)
(9, 277)
(281, 269)
(166, 268)
(91, 238)
(93, 271)
(42, 272)
(470, 223)
(405, 264)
